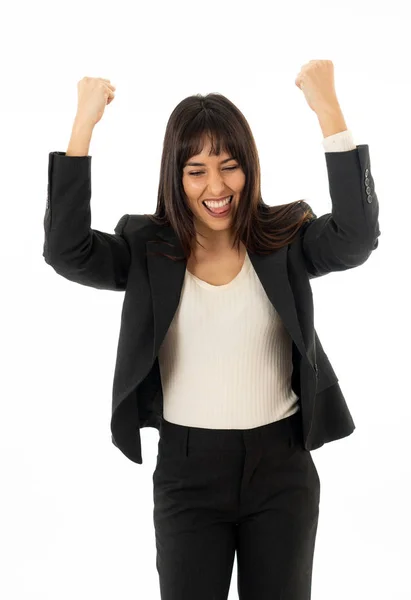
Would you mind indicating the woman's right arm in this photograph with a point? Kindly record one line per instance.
(75, 250)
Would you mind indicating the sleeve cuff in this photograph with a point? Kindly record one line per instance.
(339, 142)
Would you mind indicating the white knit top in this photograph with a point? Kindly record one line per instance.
(226, 360)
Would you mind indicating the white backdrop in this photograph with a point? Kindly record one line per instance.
(76, 514)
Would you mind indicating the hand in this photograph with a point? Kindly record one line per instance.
(94, 93)
(316, 80)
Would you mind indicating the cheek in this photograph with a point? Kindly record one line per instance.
(191, 186)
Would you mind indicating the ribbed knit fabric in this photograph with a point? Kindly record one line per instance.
(226, 360)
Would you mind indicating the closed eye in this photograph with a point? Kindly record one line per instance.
(195, 173)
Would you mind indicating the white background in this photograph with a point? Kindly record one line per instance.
(76, 514)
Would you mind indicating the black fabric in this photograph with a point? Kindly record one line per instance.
(254, 493)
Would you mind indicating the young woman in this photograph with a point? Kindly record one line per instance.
(217, 347)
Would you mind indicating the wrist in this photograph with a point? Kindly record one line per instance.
(79, 144)
(331, 120)
(82, 125)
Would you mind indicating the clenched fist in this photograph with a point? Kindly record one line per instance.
(94, 93)
(316, 80)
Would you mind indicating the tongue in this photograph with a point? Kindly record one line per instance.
(219, 209)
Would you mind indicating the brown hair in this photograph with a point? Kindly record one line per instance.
(261, 228)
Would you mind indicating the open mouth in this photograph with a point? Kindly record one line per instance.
(221, 211)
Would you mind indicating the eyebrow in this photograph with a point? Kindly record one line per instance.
(198, 164)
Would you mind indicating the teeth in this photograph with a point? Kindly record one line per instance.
(216, 204)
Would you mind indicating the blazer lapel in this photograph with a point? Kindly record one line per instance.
(167, 277)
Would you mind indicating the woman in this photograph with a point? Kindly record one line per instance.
(217, 346)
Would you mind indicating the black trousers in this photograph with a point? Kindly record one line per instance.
(217, 492)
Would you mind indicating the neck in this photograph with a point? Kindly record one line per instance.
(213, 242)
(213, 250)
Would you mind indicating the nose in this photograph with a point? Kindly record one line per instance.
(215, 186)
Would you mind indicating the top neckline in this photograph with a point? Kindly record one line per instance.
(243, 271)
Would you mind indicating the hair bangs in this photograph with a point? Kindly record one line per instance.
(206, 126)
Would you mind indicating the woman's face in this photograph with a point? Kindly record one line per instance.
(216, 177)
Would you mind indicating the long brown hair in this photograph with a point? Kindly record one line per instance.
(261, 228)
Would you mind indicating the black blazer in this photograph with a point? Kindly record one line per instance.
(337, 241)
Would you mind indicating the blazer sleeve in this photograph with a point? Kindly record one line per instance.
(346, 237)
(75, 250)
